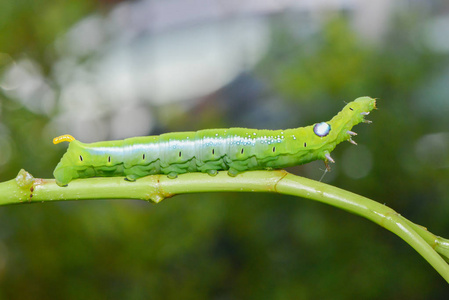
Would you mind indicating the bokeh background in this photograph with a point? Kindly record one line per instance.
(103, 70)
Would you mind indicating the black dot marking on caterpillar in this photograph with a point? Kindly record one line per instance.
(143, 156)
(109, 159)
(274, 149)
(81, 158)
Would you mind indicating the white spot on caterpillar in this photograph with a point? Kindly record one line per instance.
(321, 129)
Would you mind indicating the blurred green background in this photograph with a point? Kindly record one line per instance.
(103, 70)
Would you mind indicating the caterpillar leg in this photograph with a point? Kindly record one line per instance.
(131, 177)
(172, 175)
(233, 172)
(62, 176)
(212, 172)
(327, 160)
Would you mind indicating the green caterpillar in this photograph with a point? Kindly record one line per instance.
(234, 149)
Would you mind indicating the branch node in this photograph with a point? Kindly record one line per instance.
(283, 174)
(158, 193)
(24, 179)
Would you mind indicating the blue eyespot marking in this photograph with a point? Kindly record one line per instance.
(321, 129)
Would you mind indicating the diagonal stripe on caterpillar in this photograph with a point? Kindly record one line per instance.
(233, 149)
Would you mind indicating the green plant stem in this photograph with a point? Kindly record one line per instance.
(26, 189)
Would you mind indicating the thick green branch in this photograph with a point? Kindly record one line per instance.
(26, 189)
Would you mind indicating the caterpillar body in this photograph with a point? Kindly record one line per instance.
(234, 149)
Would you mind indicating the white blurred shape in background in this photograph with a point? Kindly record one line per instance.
(436, 33)
(152, 52)
(25, 82)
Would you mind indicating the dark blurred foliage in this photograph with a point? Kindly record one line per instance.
(243, 246)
